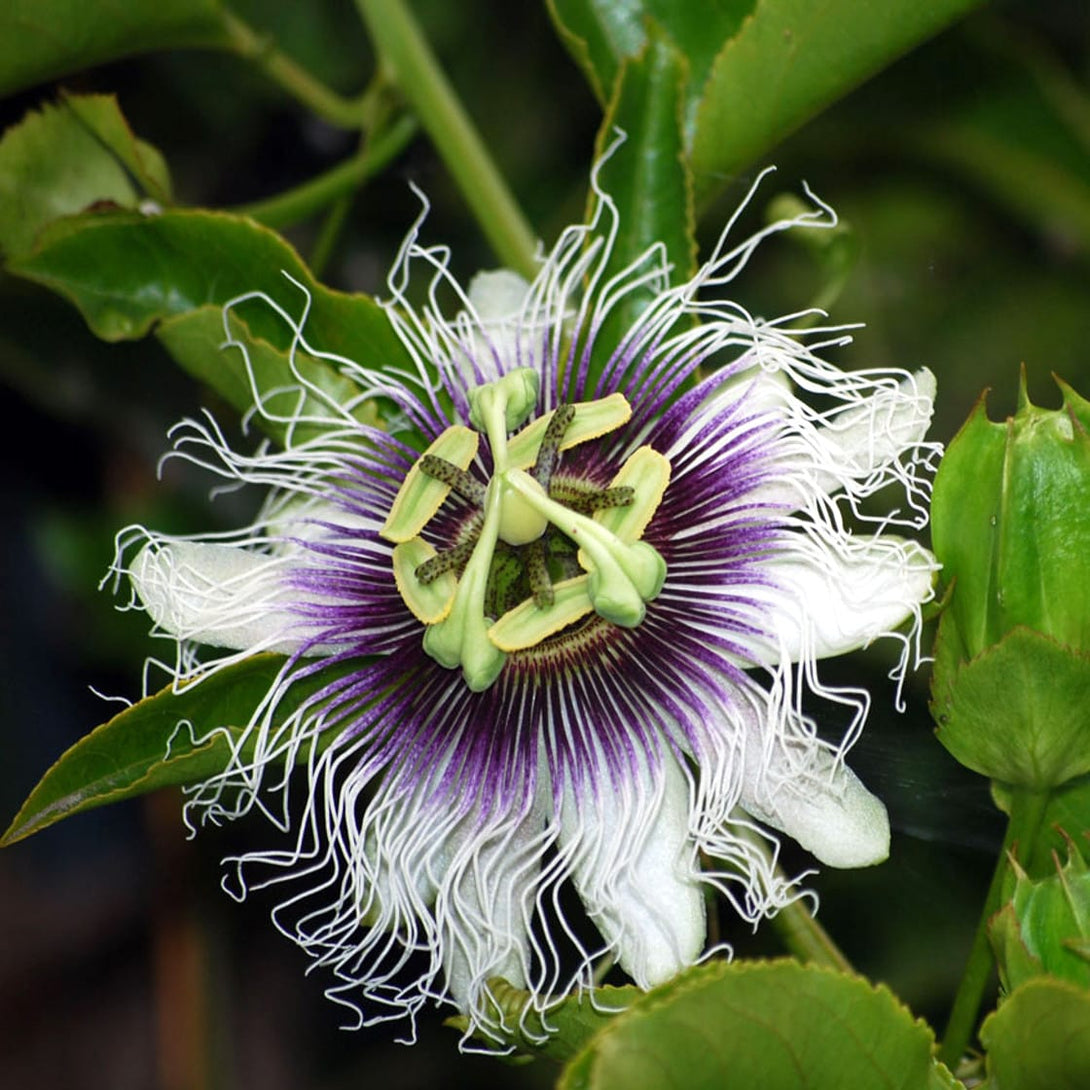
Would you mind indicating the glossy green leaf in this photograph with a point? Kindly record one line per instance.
(758, 68)
(768, 1024)
(1017, 712)
(647, 178)
(67, 157)
(127, 272)
(103, 118)
(790, 60)
(196, 341)
(164, 740)
(1039, 1037)
(602, 34)
(43, 39)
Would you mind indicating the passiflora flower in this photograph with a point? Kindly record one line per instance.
(572, 620)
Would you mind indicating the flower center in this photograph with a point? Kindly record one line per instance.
(541, 553)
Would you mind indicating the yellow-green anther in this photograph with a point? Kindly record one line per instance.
(428, 601)
(420, 496)
(528, 623)
(517, 392)
(592, 420)
(461, 638)
(647, 473)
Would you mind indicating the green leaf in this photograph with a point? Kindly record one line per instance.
(43, 39)
(127, 272)
(196, 342)
(647, 178)
(1039, 1037)
(67, 157)
(602, 34)
(168, 739)
(1016, 712)
(103, 118)
(758, 68)
(775, 1024)
(790, 60)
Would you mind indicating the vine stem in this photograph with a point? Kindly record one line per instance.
(244, 41)
(807, 939)
(797, 926)
(1027, 813)
(417, 75)
(297, 204)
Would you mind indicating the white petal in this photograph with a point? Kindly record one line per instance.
(220, 595)
(633, 864)
(498, 294)
(855, 443)
(864, 438)
(838, 599)
(760, 391)
(818, 801)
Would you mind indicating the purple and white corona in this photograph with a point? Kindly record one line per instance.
(560, 627)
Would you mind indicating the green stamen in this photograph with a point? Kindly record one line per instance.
(622, 577)
(588, 500)
(453, 560)
(538, 573)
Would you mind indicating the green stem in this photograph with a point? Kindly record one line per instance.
(253, 46)
(328, 234)
(417, 74)
(807, 939)
(1027, 812)
(802, 935)
(297, 204)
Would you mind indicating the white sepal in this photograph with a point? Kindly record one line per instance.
(810, 794)
(220, 595)
(837, 597)
(485, 904)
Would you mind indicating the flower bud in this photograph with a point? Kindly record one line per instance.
(1011, 523)
(1045, 926)
(1011, 527)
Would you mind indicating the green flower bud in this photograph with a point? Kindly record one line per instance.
(1011, 527)
(1045, 926)
(1011, 523)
